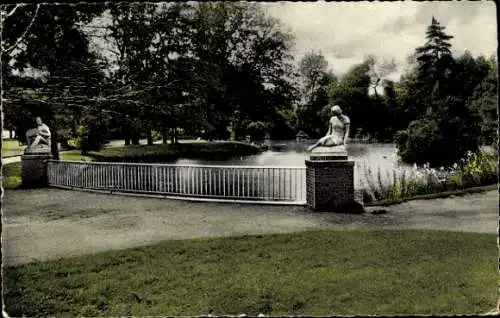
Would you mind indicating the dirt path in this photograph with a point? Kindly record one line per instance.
(50, 223)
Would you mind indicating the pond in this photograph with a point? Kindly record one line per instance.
(294, 154)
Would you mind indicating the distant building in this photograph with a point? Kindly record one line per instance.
(302, 136)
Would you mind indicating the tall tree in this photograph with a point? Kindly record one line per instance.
(56, 48)
(447, 128)
(244, 63)
(484, 101)
(351, 93)
(435, 60)
(316, 79)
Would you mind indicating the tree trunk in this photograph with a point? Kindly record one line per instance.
(172, 136)
(74, 125)
(135, 139)
(127, 141)
(149, 137)
(164, 135)
(53, 145)
(64, 143)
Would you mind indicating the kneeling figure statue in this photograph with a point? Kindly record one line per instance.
(38, 138)
(338, 132)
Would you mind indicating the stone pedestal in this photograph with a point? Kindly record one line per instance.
(330, 181)
(34, 169)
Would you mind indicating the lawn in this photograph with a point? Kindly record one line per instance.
(168, 152)
(11, 172)
(311, 273)
(11, 147)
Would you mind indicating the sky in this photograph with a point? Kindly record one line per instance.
(345, 32)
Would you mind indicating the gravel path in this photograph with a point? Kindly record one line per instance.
(46, 224)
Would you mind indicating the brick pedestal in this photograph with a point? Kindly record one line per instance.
(34, 169)
(330, 184)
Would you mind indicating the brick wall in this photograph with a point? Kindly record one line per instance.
(330, 184)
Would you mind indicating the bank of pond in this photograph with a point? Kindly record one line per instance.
(160, 153)
(378, 175)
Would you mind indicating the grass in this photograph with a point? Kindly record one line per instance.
(168, 152)
(310, 273)
(11, 172)
(11, 147)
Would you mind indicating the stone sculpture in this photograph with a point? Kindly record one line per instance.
(336, 138)
(38, 138)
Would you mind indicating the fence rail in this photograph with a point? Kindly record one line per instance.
(231, 183)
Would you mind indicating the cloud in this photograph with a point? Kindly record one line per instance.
(346, 32)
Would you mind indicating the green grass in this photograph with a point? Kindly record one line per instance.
(11, 147)
(11, 175)
(168, 152)
(11, 172)
(311, 273)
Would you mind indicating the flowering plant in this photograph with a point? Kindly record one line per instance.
(476, 169)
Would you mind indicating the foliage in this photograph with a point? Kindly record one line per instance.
(257, 130)
(58, 50)
(448, 126)
(477, 169)
(316, 79)
(217, 69)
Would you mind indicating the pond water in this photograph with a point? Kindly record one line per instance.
(293, 154)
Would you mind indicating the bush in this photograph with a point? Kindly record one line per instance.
(481, 168)
(444, 135)
(421, 142)
(257, 130)
(89, 139)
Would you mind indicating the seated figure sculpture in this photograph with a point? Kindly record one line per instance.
(336, 137)
(38, 138)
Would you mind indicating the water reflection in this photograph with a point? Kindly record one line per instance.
(375, 156)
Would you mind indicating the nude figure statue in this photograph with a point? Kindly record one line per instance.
(38, 137)
(338, 131)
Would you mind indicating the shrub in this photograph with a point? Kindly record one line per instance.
(442, 136)
(419, 143)
(480, 168)
(257, 130)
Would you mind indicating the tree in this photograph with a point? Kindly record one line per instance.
(448, 128)
(56, 49)
(316, 79)
(378, 72)
(132, 31)
(484, 101)
(351, 93)
(435, 60)
(243, 61)
(312, 67)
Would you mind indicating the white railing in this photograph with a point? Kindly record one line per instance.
(232, 183)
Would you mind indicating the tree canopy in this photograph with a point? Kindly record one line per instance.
(223, 70)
